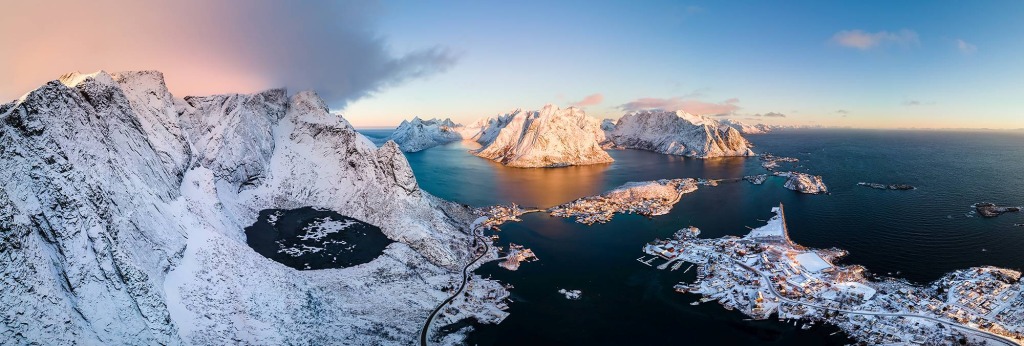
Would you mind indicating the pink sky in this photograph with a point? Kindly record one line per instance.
(209, 47)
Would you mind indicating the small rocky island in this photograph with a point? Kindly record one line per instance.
(898, 187)
(756, 179)
(311, 238)
(987, 209)
(803, 182)
(571, 294)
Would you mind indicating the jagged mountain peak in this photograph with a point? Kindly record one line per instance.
(73, 79)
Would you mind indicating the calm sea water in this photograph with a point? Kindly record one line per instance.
(918, 235)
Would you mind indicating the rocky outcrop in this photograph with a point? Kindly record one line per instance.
(678, 133)
(418, 134)
(803, 182)
(986, 209)
(901, 187)
(122, 213)
(550, 137)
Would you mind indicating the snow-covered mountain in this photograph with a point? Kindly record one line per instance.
(549, 137)
(485, 130)
(748, 129)
(122, 212)
(678, 133)
(418, 134)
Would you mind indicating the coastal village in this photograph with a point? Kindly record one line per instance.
(648, 198)
(764, 273)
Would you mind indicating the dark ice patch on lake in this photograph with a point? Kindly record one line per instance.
(310, 238)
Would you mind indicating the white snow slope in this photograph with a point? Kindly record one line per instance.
(550, 137)
(122, 213)
(678, 133)
(418, 134)
(748, 129)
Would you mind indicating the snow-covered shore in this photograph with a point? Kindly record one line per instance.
(648, 198)
(765, 273)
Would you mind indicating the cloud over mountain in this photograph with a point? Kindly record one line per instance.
(211, 47)
(691, 106)
(590, 100)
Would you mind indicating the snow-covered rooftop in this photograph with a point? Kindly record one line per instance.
(812, 262)
(856, 287)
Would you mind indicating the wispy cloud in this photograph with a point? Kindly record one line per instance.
(590, 100)
(859, 39)
(771, 115)
(965, 47)
(227, 46)
(691, 106)
(913, 103)
(842, 112)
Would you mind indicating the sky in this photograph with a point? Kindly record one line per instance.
(869, 64)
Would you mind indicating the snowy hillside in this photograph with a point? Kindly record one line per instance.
(550, 137)
(678, 133)
(748, 129)
(418, 134)
(122, 212)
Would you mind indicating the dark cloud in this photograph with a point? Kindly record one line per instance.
(206, 47)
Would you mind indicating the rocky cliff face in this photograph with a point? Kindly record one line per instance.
(550, 137)
(418, 134)
(122, 213)
(677, 133)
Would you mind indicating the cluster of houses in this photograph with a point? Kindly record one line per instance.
(648, 198)
(498, 214)
(516, 255)
(765, 273)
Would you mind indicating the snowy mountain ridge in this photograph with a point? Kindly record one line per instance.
(748, 129)
(676, 133)
(122, 214)
(418, 134)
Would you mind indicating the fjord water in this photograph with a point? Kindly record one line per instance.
(918, 235)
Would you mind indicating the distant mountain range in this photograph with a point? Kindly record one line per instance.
(552, 137)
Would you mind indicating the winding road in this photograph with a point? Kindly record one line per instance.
(465, 278)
